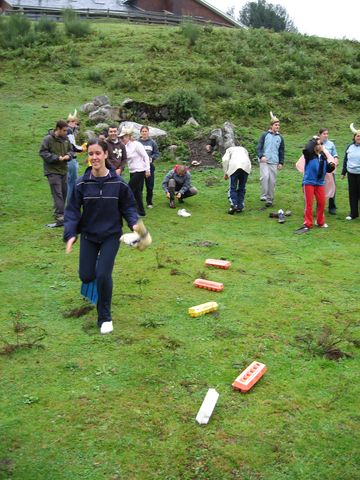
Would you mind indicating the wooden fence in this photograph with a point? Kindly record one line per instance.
(133, 17)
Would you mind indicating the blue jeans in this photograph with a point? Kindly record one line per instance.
(237, 188)
(97, 262)
(71, 177)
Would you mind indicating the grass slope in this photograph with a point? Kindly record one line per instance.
(123, 406)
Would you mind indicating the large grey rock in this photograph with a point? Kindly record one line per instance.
(135, 127)
(127, 102)
(101, 100)
(145, 111)
(105, 114)
(193, 122)
(224, 137)
(88, 107)
(228, 135)
(100, 127)
(89, 134)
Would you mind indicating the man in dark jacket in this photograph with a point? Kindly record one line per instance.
(117, 151)
(56, 151)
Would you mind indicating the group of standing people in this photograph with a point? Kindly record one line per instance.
(318, 162)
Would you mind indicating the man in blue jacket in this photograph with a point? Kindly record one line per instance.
(271, 151)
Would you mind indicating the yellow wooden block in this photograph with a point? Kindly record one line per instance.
(203, 309)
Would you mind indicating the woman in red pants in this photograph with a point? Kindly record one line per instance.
(316, 167)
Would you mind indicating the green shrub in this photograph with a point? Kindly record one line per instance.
(74, 61)
(45, 25)
(208, 28)
(219, 91)
(16, 31)
(191, 32)
(94, 75)
(183, 104)
(75, 27)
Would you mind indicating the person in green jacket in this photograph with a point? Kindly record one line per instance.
(56, 151)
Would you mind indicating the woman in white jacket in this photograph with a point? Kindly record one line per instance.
(139, 166)
(237, 166)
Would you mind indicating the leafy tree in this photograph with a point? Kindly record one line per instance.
(262, 14)
(231, 11)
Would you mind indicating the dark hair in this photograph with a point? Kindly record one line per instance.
(144, 126)
(101, 143)
(113, 125)
(61, 124)
(322, 130)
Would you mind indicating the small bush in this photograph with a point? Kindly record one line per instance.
(75, 27)
(47, 26)
(183, 104)
(94, 75)
(219, 91)
(74, 61)
(208, 28)
(191, 32)
(16, 32)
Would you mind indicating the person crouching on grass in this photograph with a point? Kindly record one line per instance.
(316, 167)
(177, 184)
(100, 200)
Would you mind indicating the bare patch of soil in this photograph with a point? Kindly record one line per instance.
(199, 157)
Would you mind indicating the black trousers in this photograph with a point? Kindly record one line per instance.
(354, 193)
(97, 262)
(149, 182)
(332, 205)
(136, 183)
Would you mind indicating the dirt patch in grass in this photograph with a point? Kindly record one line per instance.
(199, 157)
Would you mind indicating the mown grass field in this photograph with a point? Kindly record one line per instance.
(123, 406)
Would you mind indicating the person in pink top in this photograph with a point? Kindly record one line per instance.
(139, 166)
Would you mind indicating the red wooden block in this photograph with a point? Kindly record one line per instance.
(212, 262)
(208, 285)
(249, 376)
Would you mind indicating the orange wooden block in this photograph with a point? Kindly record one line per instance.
(249, 376)
(212, 262)
(208, 285)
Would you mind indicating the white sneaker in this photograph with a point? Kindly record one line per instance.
(324, 226)
(183, 213)
(349, 217)
(106, 327)
(150, 205)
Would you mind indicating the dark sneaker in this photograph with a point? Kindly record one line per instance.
(301, 230)
(268, 203)
(232, 210)
(172, 204)
(239, 210)
(332, 211)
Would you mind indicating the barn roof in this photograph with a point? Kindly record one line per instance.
(220, 13)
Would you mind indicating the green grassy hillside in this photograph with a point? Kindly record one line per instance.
(123, 406)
